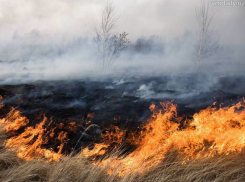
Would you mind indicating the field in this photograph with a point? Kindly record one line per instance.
(147, 129)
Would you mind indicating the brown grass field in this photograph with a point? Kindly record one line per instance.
(78, 169)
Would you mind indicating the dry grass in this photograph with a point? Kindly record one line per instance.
(77, 169)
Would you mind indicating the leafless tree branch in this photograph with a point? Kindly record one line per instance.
(207, 43)
(109, 44)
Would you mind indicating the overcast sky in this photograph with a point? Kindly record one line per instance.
(73, 18)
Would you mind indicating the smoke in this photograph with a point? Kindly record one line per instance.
(42, 40)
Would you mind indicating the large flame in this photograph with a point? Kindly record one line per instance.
(14, 121)
(28, 145)
(213, 131)
(27, 141)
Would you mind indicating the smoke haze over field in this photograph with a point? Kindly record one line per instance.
(53, 39)
(66, 19)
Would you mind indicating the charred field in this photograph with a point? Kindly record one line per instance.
(144, 128)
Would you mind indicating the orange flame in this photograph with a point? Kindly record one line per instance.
(1, 98)
(14, 121)
(211, 132)
(28, 144)
(113, 136)
(99, 149)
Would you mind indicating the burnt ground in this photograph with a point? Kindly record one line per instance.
(119, 101)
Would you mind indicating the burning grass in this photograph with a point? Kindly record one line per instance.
(211, 133)
(222, 168)
(208, 147)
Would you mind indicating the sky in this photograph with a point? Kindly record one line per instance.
(61, 20)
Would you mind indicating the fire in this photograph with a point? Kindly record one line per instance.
(14, 121)
(28, 144)
(99, 149)
(150, 150)
(212, 131)
(112, 139)
(114, 135)
(1, 98)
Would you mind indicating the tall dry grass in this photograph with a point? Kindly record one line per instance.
(78, 169)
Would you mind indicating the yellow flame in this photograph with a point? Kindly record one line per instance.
(211, 132)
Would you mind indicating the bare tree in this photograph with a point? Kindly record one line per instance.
(109, 44)
(207, 43)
